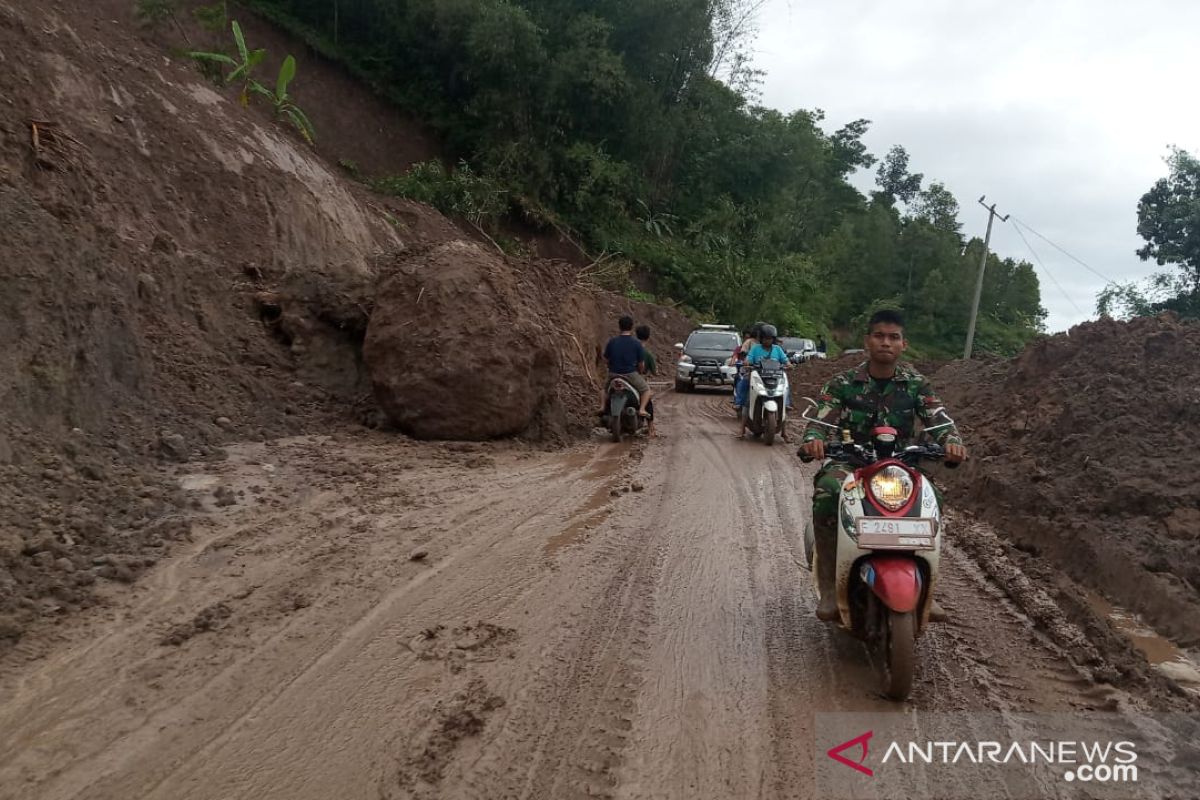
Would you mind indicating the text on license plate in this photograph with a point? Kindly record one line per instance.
(895, 527)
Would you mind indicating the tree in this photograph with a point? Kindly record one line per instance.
(894, 179)
(937, 206)
(1169, 218)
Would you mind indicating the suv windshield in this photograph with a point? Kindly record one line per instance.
(712, 341)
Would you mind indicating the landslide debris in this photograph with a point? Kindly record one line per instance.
(1083, 454)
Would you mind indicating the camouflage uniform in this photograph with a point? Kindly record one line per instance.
(853, 400)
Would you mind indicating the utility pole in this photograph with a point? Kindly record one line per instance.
(987, 240)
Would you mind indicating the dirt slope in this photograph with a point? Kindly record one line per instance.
(180, 273)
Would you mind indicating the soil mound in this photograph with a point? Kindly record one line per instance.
(1085, 445)
(464, 343)
(458, 348)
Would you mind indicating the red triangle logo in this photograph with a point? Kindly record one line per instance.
(858, 741)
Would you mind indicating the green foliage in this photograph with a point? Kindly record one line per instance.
(242, 69)
(281, 101)
(634, 126)
(213, 18)
(1162, 291)
(1169, 221)
(894, 179)
(1169, 218)
(460, 192)
(154, 11)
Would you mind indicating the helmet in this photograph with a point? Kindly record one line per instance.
(756, 329)
(768, 332)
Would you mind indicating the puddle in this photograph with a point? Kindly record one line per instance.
(597, 507)
(198, 483)
(1162, 654)
(588, 515)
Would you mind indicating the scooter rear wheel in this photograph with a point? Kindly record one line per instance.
(614, 427)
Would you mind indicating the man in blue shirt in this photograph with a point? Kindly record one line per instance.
(624, 354)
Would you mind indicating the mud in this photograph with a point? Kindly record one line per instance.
(1081, 455)
(665, 647)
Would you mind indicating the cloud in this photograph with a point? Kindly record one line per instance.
(1060, 113)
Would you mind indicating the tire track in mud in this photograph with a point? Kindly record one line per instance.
(563, 639)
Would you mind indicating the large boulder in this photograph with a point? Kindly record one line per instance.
(457, 348)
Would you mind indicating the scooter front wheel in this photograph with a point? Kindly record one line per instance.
(769, 425)
(899, 646)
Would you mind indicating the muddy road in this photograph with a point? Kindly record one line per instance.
(367, 617)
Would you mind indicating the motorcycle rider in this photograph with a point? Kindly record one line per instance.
(880, 391)
(649, 367)
(742, 381)
(766, 347)
(624, 355)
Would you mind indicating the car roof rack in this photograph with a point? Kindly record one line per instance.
(712, 327)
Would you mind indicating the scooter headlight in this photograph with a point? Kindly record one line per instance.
(892, 487)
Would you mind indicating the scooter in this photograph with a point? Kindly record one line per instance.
(889, 544)
(621, 410)
(765, 409)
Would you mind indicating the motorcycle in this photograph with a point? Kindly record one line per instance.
(765, 407)
(621, 410)
(889, 543)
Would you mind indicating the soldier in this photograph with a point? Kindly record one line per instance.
(880, 391)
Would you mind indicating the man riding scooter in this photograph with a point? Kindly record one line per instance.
(624, 355)
(881, 391)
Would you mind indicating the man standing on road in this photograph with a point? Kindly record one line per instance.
(624, 355)
(880, 391)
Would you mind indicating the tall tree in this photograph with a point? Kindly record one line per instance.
(1169, 218)
(937, 206)
(894, 179)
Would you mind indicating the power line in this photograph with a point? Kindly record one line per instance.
(1038, 259)
(1074, 258)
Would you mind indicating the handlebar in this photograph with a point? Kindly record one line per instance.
(860, 456)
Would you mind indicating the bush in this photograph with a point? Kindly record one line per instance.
(460, 192)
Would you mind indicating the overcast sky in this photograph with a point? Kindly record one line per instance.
(1060, 111)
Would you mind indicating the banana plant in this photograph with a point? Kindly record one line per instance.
(241, 70)
(281, 101)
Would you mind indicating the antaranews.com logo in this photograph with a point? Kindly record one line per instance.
(1085, 761)
(1111, 756)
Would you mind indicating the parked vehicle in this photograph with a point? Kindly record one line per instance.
(799, 350)
(702, 358)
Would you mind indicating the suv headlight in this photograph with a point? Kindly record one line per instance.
(685, 359)
(892, 487)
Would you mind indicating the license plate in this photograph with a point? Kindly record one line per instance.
(898, 534)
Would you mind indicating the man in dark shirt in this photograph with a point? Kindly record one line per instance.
(624, 355)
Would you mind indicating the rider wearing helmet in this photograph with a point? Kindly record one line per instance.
(765, 348)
